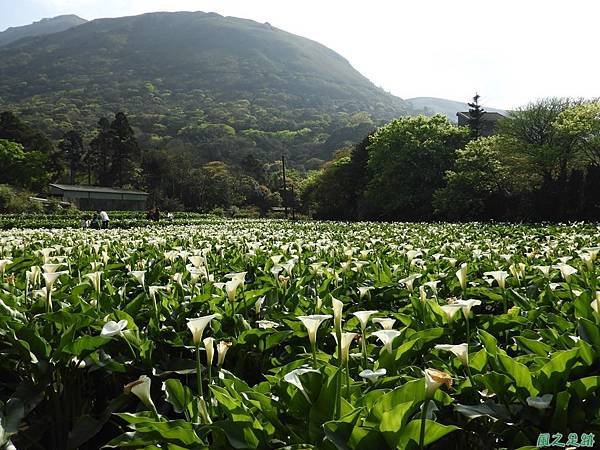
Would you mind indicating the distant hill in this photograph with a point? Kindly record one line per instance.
(218, 86)
(433, 105)
(43, 27)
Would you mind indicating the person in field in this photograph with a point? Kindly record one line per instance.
(104, 218)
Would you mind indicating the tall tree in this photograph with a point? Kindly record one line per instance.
(253, 167)
(476, 113)
(489, 180)
(126, 153)
(99, 156)
(554, 152)
(72, 152)
(14, 129)
(407, 162)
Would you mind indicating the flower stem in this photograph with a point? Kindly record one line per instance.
(347, 381)
(364, 348)
(423, 419)
(208, 391)
(198, 375)
(338, 383)
(469, 375)
(129, 345)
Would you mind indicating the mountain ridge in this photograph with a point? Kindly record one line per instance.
(201, 69)
(42, 27)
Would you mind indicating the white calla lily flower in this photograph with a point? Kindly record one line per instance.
(540, 403)
(466, 305)
(566, 271)
(347, 339)
(365, 291)
(209, 348)
(338, 306)
(3, 264)
(371, 375)
(461, 351)
(434, 379)
(293, 378)
(451, 310)
(312, 323)
(112, 328)
(363, 317)
(461, 274)
(95, 279)
(51, 277)
(409, 281)
(222, 348)
(499, 276)
(266, 324)
(545, 270)
(387, 323)
(140, 276)
(141, 389)
(231, 288)
(258, 305)
(387, 338)
(197, 326)
(51, 268)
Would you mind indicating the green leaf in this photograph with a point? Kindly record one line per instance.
(411, 392)
(553, 375)
(87, 426)
(533, 346)
(490, 343)
(495, 382)
(239, 435)
(339, 431)
(520, 374)
(177, 431)
(433, 431)
(177, 395)
(561, 411)
(488, 409)
(85, 344)
(364, 438)
(478, 360)
(394, 420)
(590, 333)
(585, 387)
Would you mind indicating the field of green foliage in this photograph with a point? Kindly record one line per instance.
(224, 334)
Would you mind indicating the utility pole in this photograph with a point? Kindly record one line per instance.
(285, 203)
(293, 204)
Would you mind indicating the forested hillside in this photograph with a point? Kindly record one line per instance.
(215, 87)
(40, 28)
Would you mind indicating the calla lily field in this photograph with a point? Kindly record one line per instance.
(267, 334)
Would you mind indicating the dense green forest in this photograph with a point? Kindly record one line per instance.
(214, 87)
(543, 164)
(113, 157)
(199, 110)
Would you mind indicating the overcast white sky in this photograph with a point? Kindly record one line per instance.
(510, 51)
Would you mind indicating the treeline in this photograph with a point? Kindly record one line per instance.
(112, 156)
(542, 164)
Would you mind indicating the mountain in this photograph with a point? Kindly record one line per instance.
(433, 105)
(218, 86)
(43, 27)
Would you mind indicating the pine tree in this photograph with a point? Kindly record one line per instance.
(72, 152)
(99, 156)
(126, 151)
(476, 113)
